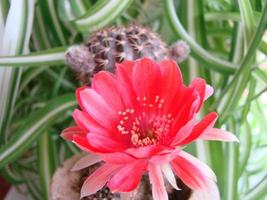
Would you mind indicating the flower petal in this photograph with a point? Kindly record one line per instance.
(146, 76)
(191, 171)
(218, 134)
(212, 192)
(199, 85)
(68, 133)
(104, 144)
(127, 91)
(128, 66)
(176, 100)
(144, 152)
(170, 73)
(87, 123)
(171, 81)
(118, 158)
(128, 177)
(201, 165)
(206, 123)
(184, 131)
(91, 102)
(83, 144)
(105, 84)
(167, 171)
(185, 114)
(98, 179)
(163, 158)
(208, 92)
(156, 179)
(86, 161)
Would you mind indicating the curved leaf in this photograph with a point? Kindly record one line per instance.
(46, 57)
(33, 127)
(104, 13)
(200, 53)
(258, 191)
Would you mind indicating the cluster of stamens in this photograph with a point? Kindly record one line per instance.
(146, 125)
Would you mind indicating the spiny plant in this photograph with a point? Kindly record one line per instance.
(113, 45)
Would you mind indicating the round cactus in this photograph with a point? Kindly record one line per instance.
(115, 44)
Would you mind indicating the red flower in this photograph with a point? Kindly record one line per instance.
(138, 121)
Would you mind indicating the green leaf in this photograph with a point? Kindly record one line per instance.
(11, 175)
(200, 53)
(48, 9)
(46, 162)
(30, 75)
(34, 126)
(14, 40)
(46, 57)
(70, 10)
(240, 79)
(231, 182)
(257, 192)
(251, 93)
(234, 16)
(247, 17)
(101, 15)
(247, 143)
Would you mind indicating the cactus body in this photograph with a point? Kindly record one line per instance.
(115, 44)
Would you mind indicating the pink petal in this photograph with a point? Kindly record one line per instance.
(127, 91)
(206, 123)
(128, 66)
(191, 171)
(171, 82)
(199, 85)
(118, 158)
(168, 173)
(106, 85)
(69, 132)
(91, 102)
(176, 100)
(146, 76)
(87, 123)
(86, 161)
(184, 131)
(160, 159)
(205, 169)
(208, 92)
(144, 152)
(83, 144)
(211, 192)
(171, 72)
(128, 177)
(156, 179)
(103, 143)
(98, 179)
(218, 134)
(185, 114)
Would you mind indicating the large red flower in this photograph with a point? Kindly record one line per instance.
(137, 121)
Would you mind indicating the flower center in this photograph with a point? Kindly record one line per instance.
(146, 124)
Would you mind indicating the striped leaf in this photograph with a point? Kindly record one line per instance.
(101, 15)
(34, 126)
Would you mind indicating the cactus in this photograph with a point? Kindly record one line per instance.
(115, 44)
